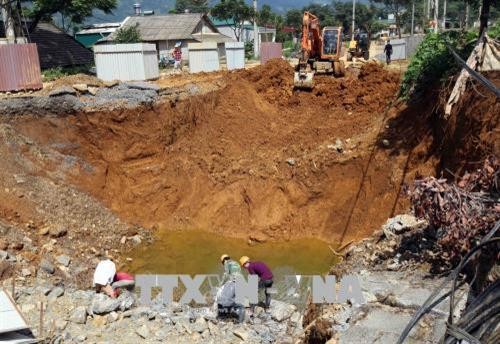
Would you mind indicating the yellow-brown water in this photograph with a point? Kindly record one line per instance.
(198, 252)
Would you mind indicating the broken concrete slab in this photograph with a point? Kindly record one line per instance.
(63, 90)
(376, 323)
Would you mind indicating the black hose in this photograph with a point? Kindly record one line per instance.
(428, 305)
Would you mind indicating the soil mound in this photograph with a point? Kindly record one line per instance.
(447, 145)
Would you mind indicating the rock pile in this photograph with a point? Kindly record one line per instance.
(76, 316)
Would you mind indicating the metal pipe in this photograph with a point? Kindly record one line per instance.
(412, 17)
(40, 332)
(436, 16)
(444, 15)
(255, 32)
(353, 18)
(8, 20)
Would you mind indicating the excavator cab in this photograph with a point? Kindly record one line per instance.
(332, 38)
(320, 52)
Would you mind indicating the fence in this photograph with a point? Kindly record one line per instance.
(412, 43)
(126, 62)
(402, 48)
(270, 50)
(19, 67)
(203, 57)
(235, 55)
(398, 49)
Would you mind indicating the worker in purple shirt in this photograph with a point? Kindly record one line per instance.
(265, 275)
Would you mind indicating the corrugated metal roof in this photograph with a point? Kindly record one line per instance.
(97, 30)
(12, 319)
(166, 27)
(212, 37)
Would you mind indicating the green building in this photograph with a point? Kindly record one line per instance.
(92, 33)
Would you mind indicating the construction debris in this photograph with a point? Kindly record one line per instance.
(458, 213)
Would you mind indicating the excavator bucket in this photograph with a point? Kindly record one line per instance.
(303, 80)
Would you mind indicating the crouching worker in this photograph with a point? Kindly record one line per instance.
(108, 281)
(226, 302)
(265, 276)
(231, 269)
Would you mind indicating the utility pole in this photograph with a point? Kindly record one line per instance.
(436, 17)
(444, 15)
(467, 14)
(412, 16)
(353, 18)
(8, 21)
(255, 32)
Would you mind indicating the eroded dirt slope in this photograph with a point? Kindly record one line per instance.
(251, 159)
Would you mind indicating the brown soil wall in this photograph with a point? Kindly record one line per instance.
(251, 159)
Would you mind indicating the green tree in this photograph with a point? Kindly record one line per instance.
(265, 16)
(128, 34)
(72, 11)
(193, 6)
(396, 7)
(293, 18)
(366, 16)
(235, 13)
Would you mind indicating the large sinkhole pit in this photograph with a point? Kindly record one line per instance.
(252, 159)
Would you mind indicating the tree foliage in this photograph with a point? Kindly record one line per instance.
(128, 34)
(366, 16)
(432, 60)
(71, 11)
(192, 6)
(235, 13)
(293, 18)
(398, 8)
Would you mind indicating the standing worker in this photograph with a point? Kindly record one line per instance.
(265, 275)
(177, 56)
(388, 51)
(231, 268)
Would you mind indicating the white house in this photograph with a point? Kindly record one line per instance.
(166, 30)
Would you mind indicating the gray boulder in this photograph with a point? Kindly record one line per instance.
(79, 315)
(145, 86)
(199, 325)
(4, 255)
(55, 293)
(63, 260)
(143, 331)
(127, 300)
(63, 90)
(102, 304)
(47, 266)
(280, 310)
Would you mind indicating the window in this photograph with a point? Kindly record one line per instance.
(330, 42)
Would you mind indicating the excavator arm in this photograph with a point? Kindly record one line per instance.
(311, 46)
(311, 37)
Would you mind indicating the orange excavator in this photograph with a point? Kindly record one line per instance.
(320, 52)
